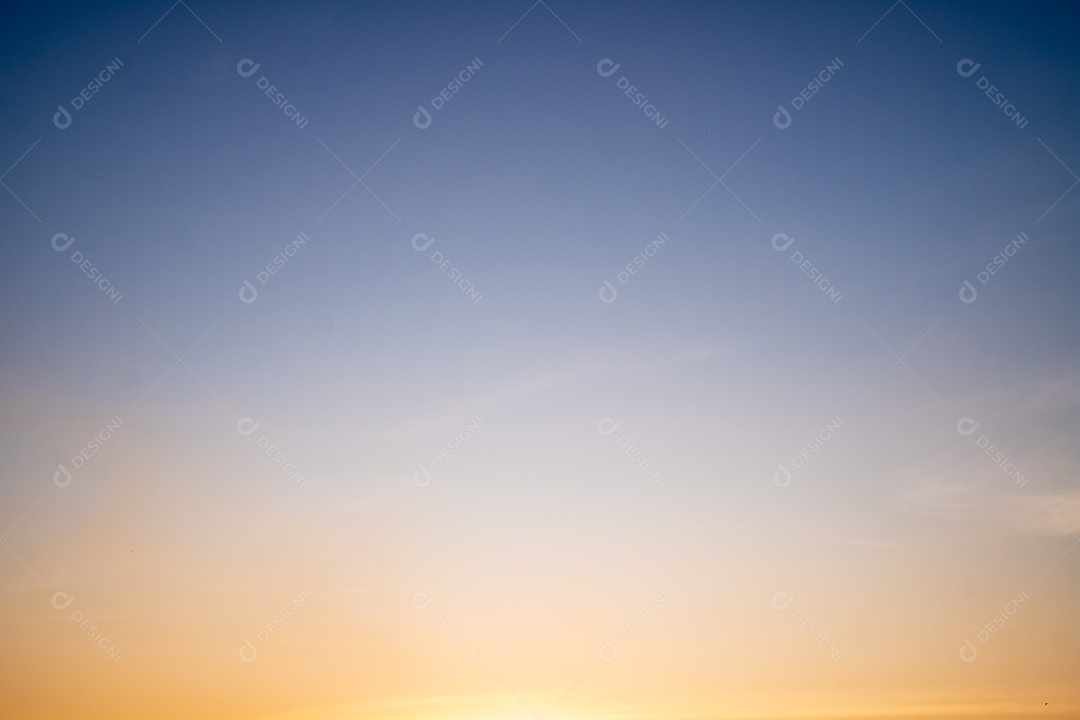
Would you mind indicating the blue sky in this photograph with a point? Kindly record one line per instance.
(540, 180)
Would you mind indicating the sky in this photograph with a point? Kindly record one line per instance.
(497, 361)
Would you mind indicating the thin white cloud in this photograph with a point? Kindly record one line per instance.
(1055, 514)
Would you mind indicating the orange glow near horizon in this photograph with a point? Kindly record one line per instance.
(390, 610)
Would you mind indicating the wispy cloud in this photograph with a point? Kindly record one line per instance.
(1054, 514)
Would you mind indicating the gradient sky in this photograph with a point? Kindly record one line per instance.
(452, 522)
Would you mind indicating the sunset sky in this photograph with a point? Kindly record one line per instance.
(497, 361)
